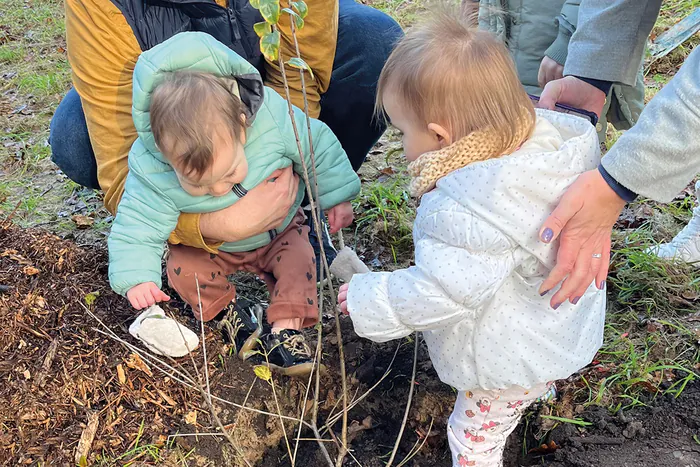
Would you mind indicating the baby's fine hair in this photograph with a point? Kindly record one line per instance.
(448, 72)
(186, 110)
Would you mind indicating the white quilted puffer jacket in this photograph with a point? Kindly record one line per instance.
(479, 263)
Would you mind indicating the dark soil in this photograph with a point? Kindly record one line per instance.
(666, 433)
(58, 371)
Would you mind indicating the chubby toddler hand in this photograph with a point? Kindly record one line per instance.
(343, 298)
(145, 295)
(340, 216)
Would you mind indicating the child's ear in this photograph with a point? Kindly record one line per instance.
(440, 133)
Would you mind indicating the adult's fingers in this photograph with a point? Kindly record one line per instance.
(562, 214)
(595, 262)
(583, 274)
(551, 93)
(275, 175)
(566, 260)
(541, 76)
(605, 264)
(332, 221)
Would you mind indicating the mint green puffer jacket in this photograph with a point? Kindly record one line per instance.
(153, 198)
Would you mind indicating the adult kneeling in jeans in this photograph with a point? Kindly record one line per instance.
(345, 43)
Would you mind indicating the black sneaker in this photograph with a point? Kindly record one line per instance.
(241, 325)
(288, 353)
(328, 247)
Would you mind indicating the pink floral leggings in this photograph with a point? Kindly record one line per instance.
(482, 420)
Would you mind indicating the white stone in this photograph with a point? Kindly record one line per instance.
(162, 334)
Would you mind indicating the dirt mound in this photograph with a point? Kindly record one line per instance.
(63, 381)
(666, 433)
(62, 378)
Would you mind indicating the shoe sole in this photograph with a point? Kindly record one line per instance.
(303, 369)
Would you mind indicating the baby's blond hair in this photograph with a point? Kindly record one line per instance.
(446, 71)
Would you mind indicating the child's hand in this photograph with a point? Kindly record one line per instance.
(343, 298)
(340, 216)
(145, 295)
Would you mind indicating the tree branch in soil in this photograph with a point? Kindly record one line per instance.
(315, 216)
(408, 403)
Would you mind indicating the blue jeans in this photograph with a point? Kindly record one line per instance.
(365, 38)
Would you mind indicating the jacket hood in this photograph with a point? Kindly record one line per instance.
(517, 192)
(190, 51)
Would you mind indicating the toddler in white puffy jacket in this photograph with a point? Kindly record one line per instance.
(488, 169)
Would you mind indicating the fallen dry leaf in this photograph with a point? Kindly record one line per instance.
(30, 270)
(83, 222)
(120, 374)
(27, 374)
(545, 448)
(83, 450)
(191, 418)
(135, 362)
(166, 397)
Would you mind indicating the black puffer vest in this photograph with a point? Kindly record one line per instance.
(154, 21)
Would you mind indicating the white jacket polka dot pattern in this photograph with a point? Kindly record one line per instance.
(474, 289)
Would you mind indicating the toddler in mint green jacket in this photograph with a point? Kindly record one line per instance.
(209, 131)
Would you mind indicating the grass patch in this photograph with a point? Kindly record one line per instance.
(385, 211)
(405, 12)
(11, 54)
(644, 282)
(43, 85)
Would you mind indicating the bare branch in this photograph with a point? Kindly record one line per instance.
(408, 403)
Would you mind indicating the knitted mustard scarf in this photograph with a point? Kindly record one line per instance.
(477, 146)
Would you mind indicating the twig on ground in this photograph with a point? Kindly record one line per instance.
(332, 420)
(303, 410)
(271, 381)
(415, 450)
(201, 327)
(408, 403)
(205, 390)
(185, 380)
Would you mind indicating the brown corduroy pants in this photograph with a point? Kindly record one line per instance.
(287, 265)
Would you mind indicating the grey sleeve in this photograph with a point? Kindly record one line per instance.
(609, 41)
(660, 155)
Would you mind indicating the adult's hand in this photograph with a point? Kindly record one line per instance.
(573, 92)
(583, 222)
(549, 71)
(263, 208)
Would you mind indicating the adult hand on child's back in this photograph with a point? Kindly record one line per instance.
(583, 222)
(145, 295)
(549, 71)
(262, 209)
(343, 298)
(572, 92)
(340, 216)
